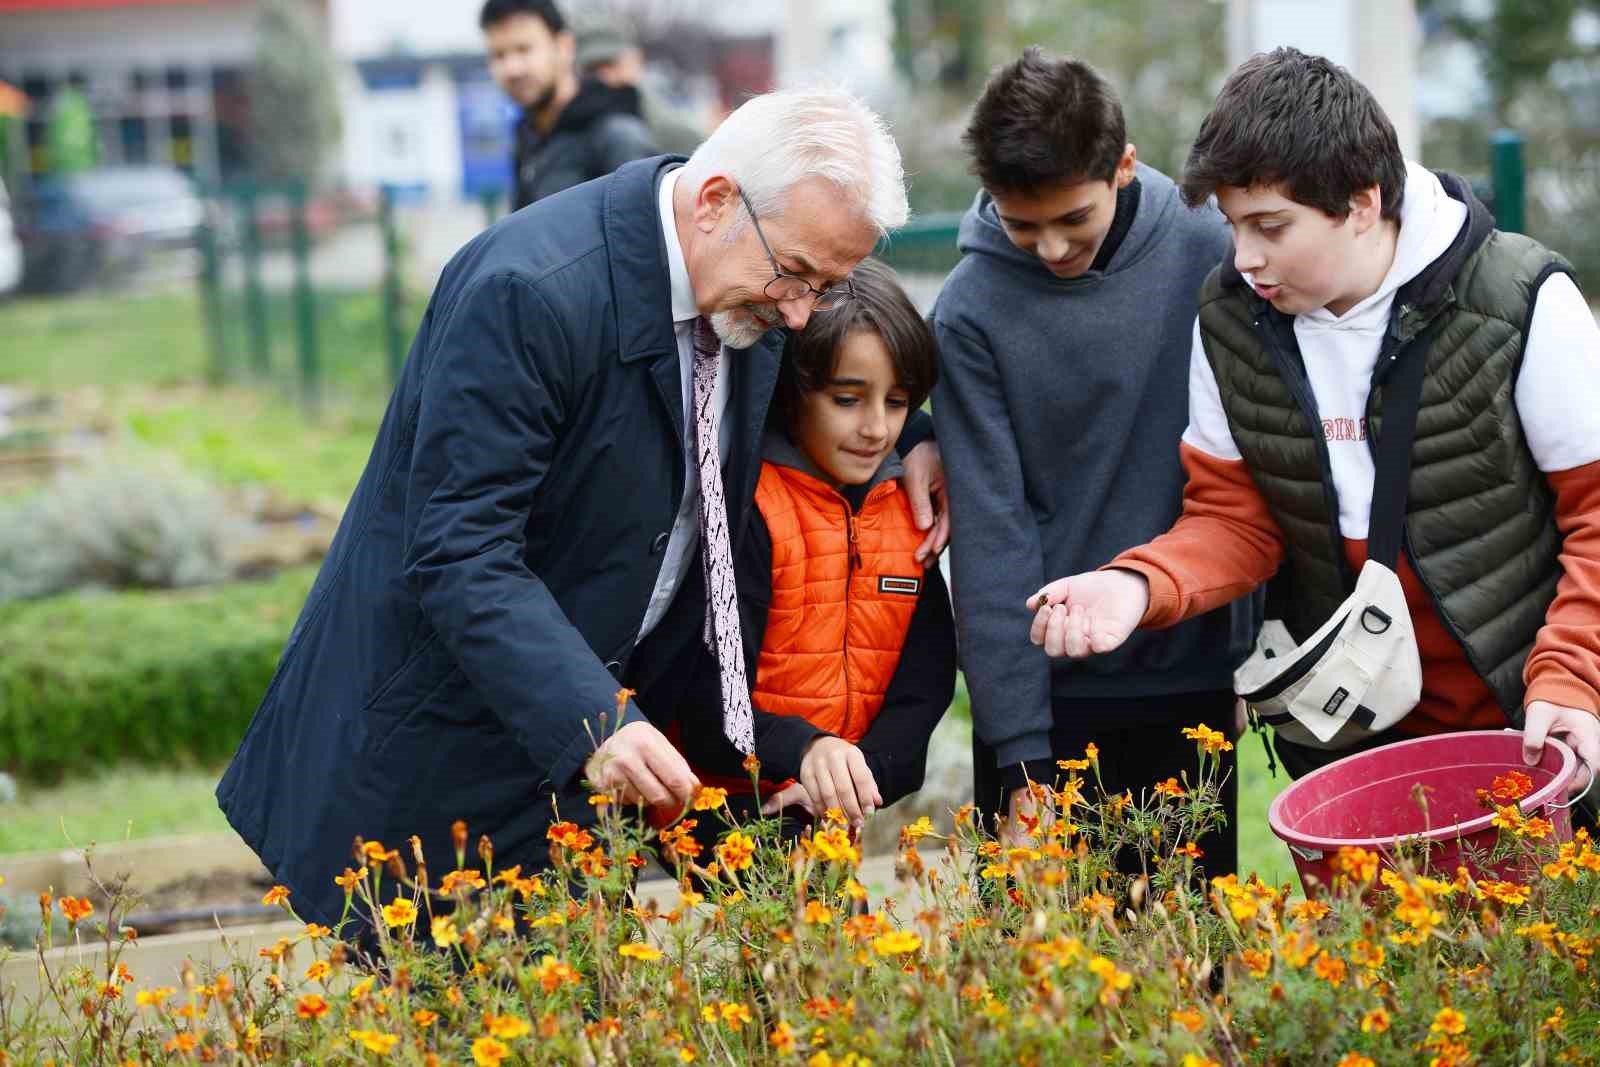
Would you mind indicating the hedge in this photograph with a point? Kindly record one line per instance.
(94, 679)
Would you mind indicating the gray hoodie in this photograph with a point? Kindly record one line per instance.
(1060, 405)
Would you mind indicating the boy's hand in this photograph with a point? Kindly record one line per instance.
(1576, 727)
(930, 506)
(1088, 614)
(788, 797)
(835, 775)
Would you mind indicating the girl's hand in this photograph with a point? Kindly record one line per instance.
(1578, 728)
(790, 796)
(835, 775)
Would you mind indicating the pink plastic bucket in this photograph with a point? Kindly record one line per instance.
(1366, 800)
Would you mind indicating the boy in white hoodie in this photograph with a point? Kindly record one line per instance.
(1348, 261)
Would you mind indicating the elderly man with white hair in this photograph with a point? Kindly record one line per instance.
(550, 507)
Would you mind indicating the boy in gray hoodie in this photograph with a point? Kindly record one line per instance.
(1064, 337)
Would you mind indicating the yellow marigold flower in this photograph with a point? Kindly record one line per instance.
(735, 1014)
(600, 800)
(375, 1041)
(1555, 1022)
(1190, 1019)
(1355, 1059)
(1091, 751)
(687, 1054)
(1375, 1021)
(896, 943)
(638, 950)
(854, 889)
(444, 932)
(910, 835)
(400, 912)
(1331, 969)
(817, 913)
(1073, 764)
(1257, 961)
(782, 1039)
(995, 870)
(456, 881)
(1358, 864)
(708, 798)
(1545, 933)
(506, 1027)
(276, 895)
(1212, 741)
(311, 1006)
(1190, 1059)
(1299, 950)
(1097, 904)
(833, 844)
(153, 998)
(347, 881)
(1365, 954)
(1504, 892)
(1169, 788)
(487, 1052)
(736, 850)
(318, 970)
(1448, 1021)
(1308, 911)
(1112, 980)
(834, 817)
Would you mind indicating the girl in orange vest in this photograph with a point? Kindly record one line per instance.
(857, 658)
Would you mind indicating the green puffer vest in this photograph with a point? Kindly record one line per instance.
(1480, 516)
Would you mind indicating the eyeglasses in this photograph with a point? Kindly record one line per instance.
(786, 286)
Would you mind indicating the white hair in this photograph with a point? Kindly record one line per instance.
(772, 141)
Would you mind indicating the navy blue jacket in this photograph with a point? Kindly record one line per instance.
(479, 607)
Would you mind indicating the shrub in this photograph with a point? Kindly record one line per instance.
(1029, 949)
(113, 526)
(92, 679)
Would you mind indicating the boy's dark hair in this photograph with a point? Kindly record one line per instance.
(1301, 121)
(497, 11)
(1042, 121)
(880, 305)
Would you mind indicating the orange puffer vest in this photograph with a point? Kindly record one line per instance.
(844, 587)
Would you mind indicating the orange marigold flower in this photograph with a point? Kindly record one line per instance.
(1375, 1021)
(377, 855)
(276, 895)
(375, 1041)
(1091, 751)
(424, 1018)
(736, 851)
(734, 1014)
(1169, 788)
(1448, 1021)
(76, 909)
(347, 881)
(1511, 786)
(318, 970)
(553, 974)
(600, 800)
(311, 1006)
(569, 835)
(817, 913)
(594, 863)
(1504, 892)
(1331, 969)
(1112, 979)
(1257, 961)
(1189, 849)
(1358, 864)
(1073, 764)
(487, 1052)
(782, 1039)
(1212, 741)
(507, 1027)
(1190, 1019)
(1555, 1022)
(400, 912)
(1355, 1059)
(708, 798)
(1308, 911)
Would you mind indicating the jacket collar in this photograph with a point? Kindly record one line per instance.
(640, 279)
(777, 449)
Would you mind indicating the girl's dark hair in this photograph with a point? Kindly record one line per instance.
(879, 305)
(1301, 121)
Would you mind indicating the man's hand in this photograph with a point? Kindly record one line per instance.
(1576, 727)
(788, 797)
(835, 775)
(1088, 614)
(1023, 808)
(638, 764)
(930, 505)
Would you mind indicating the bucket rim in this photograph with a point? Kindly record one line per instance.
(1539, 798)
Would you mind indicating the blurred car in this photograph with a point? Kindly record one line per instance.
(10, 248)
(104, 226)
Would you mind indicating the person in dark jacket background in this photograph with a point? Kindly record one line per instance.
(572, 130)
(527, 536)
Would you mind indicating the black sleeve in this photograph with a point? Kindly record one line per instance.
(896, 745)
(781, 740)
(918, 428)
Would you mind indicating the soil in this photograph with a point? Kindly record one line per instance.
(202, 901)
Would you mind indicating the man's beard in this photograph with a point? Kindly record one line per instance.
(743, 327)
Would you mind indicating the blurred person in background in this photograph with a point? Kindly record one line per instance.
(571, 130)
(609, 54)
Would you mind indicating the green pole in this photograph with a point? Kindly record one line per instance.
(392, 292)
(255, 297)
(304, 299)
(1510, 180)
(211, 302)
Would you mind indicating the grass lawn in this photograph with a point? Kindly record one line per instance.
(120, 804)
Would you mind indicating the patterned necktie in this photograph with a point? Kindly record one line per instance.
(722, 634)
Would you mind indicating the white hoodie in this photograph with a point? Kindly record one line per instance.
(1557, 393)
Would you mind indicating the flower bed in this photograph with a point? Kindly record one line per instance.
(1029, 950)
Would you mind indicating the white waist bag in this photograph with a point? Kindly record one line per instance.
(1360, 673)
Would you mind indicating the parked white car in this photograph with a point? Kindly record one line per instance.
(10, 248)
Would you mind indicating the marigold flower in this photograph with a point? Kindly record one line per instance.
(276, 895)
(1505, 892)
(1358, 864)
(424, 1018)
(1257, 961)
(375, 1041)
(487, 1052)
(443, 931)
(1190, 1059)
(736, 851)
(506, 1027)
(782, 1039)
(1190, 850)
(638, 950)
(1511, 786)
(708, 798)
(910, 835)
(594, 863)
(1330, 969)
(687, 1054)
(76, 909)
(347, 881)
(554, 973)
(1169, 788)
(569, 835)
(318, 970)
(458, 880)
(1112, 979)
(1375, 1021)
(1355, 1059)
(377, 855)
(153, 998)
(1555, 1022)
(1212, 741)
(311, 1006)
(400, 912)
(1091, 752)
(896, 943)
(600, 800)
(817, 913)
(1308, 911)
(1190, 1019)
(1448, 1021)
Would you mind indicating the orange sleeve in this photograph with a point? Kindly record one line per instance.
(1564, 667)
(1224, 544)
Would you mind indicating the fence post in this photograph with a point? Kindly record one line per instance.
(211, 299)
(392, 292)
(304, 298)
(255, 297)
(1510, 180)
